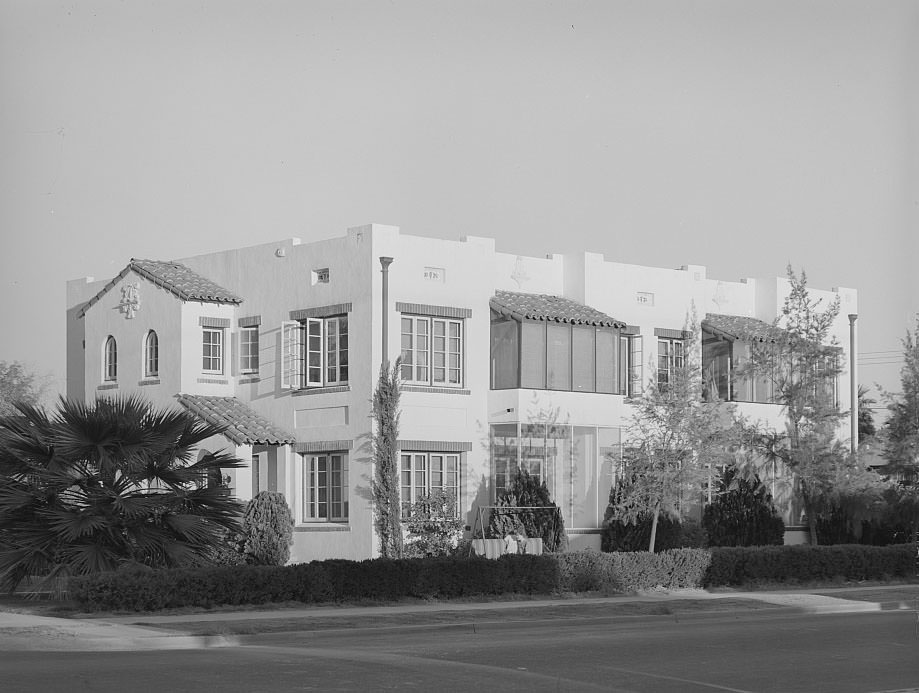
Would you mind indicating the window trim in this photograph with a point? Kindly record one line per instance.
(427, 457)
(110, 360)
(248, 362)
(430, 352)
(307, 478)
(297, 372)
(221, 346)
(151, 355)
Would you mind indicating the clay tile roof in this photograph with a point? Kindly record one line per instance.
(175, 278)
(183, 282)
(243, 425)
(738, 327)
(521, 306)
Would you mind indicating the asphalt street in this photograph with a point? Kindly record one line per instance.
(771, 650)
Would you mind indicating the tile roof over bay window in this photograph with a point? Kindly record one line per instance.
(553, 343)
(727, 350)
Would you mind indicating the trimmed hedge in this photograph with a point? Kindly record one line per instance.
(316, 582)
(739, 565)
(143, 589)
(582, 571)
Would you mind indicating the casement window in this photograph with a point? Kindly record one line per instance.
(631, 371)
(151, 355)
(432, 351)
(425, 472)
(315, 352)
(248, 349)
(324, 487)
(212, 349)
(670, 358)
(110, 360)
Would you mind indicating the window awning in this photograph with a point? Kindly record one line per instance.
(740, 328)
(243, 425)
(522, 306)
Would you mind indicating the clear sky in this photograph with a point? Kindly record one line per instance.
(736, 135)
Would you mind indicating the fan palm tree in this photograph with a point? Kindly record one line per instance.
(94, 486)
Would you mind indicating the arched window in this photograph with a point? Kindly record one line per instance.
(111, 359)
(151, 355)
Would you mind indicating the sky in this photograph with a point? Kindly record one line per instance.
(741, 136)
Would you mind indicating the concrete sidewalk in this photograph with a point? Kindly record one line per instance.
(22, 631)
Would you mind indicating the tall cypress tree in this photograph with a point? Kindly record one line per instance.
(385, 484)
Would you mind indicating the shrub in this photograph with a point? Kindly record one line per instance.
(268, 529)
(336, 580)
(434, 526)
(743, 514)
(790, 564)
(628, 536)
(581, 571)
(545, 522)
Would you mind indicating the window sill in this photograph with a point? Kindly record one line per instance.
(149, 381)
(250, 378)
(214, 381)
(436, 390)
(107, 386)
(320, 390)
(323, 527)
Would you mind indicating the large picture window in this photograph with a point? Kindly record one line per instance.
(324, 489)
(425, 472)
(554, 356)
(432, 351)
(578, 464)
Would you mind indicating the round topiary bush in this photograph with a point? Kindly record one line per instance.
(268, 528)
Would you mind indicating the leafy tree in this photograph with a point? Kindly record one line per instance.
(901, 448)
(672, 439)
(799, 361)
(742, 514)
(434, 526)
(18, 385)
(385, 485)
(866, 427)
(96, 486)
(268, 528)
(527, 491)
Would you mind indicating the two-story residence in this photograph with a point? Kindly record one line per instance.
(507, 361)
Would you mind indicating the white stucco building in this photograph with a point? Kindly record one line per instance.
(507, 360)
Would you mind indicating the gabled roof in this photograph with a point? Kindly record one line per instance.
(243, 425)
(175, 278)
(521, 306)
(738, 327)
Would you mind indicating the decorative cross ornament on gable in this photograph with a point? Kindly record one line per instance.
(130, 300)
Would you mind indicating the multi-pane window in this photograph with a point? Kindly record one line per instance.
(432, 351)
(670, 358)
(248, 349)
(325, 487)
(151, 355)
(315, 352)
(425, 472)
(212, 350)
(630, 365)
(111, 360)
(553, 356)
